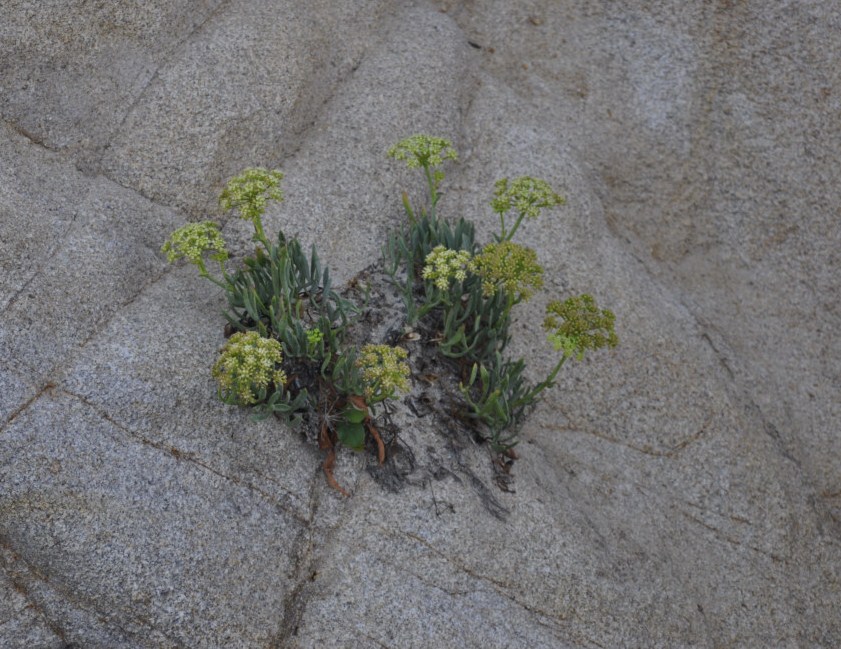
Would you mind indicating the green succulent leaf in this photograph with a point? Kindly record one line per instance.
(354, 415)
(352, 435)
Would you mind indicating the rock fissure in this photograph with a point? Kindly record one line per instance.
(66, 593)
(309, 555)
(179, 455)
(672, 451)
(21, 588)
(49, 255)
(719, 534)
(30, 137)
(24, 406)
(500, 587)
(375, 641)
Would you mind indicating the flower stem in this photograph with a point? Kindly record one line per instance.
(514, 229)
(501, 237)
(433, 192)
(259, 235)
(530, 396)
(226, 285)
(426, 308)
(203, 272)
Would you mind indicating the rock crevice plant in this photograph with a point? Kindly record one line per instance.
(289, 351)
(469, 292)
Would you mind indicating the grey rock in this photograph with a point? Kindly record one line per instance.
(248, 83)
(70, 74)
(82, 264)
(34, 219)
(23, 624)
(100, 512)
(682, 490)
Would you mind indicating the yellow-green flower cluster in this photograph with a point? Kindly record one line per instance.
(251, 190)
(577, 324)
(193, 240)
(525, 194)
(509, 266)
(248, 364)
(443, 265)
(314, 336)
(384, 371)
(423, 151)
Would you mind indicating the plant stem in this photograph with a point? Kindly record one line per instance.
(259, 235)
(408, 300)
(501, 237)
(433, 193)
(530, 396)
(207, 275)
(514, 229)
(203, 273)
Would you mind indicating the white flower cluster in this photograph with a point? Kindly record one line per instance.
(444, 265)
(247, 367)
(384, 371)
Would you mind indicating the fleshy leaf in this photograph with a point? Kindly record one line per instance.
(351, 435)
(354, 416)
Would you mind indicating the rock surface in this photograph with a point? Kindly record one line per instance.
(684, 490)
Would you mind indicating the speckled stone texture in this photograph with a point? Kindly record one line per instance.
(683, 490)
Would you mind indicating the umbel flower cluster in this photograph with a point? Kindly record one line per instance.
(504, 266)
(247, 366)
(251, 191)
(526, 195)
(428, 153)
(444, 265)
(288, 352)
(423, 151)
(511, 268)
(577, 324)
(194, 240)
(384, 371)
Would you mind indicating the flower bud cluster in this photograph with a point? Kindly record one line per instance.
(384, 371)
(577, 324)
(248, 365)
(444, 265)
(251, 190)
(193, 240)
(314, 337)
(525, 194)
(423, 151)
(509, 266)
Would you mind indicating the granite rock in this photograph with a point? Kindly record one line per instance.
(681, 490)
